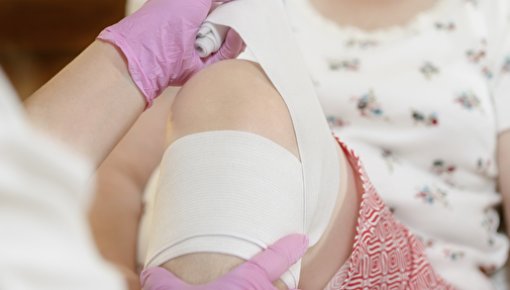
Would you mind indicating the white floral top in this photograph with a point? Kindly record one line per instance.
(423, 106)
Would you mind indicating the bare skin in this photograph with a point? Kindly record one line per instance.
(90, 104)
(370, 15)
(115, 214)
(503, 156)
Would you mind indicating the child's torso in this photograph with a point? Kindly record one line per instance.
(415, 103)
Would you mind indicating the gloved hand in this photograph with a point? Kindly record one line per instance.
(158, 42)
(259, 273)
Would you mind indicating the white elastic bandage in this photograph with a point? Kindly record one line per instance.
(264, 27)
(210, 37)
(225, 192)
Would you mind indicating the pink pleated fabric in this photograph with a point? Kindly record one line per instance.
(386, 255)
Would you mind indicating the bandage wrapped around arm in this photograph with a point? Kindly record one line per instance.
(226, 192)
(236, 193)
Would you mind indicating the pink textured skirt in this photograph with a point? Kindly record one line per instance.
(385, 254)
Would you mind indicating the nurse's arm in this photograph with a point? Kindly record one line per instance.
(90, 104)
(122, 178)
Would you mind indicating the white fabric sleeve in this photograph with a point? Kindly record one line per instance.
(45, 243)
(498, 26)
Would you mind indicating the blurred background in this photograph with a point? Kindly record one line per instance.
(39, 37)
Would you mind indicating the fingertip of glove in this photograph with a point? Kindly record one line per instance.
(295, 245)
(149, 273)
(232, 47)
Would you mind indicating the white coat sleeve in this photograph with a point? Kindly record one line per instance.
(45, 242)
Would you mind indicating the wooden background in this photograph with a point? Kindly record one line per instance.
(38, 37)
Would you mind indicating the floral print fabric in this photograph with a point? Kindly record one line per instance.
(422, 105)
(385, 254)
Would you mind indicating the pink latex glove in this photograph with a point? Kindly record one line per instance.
(259, 273)
(158, 42)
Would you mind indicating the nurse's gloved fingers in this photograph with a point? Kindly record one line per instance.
(255, 274)
(279, 257)
(160, 279)
(231, 48)
(219, 2)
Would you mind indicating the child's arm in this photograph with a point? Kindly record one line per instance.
(504, 173)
